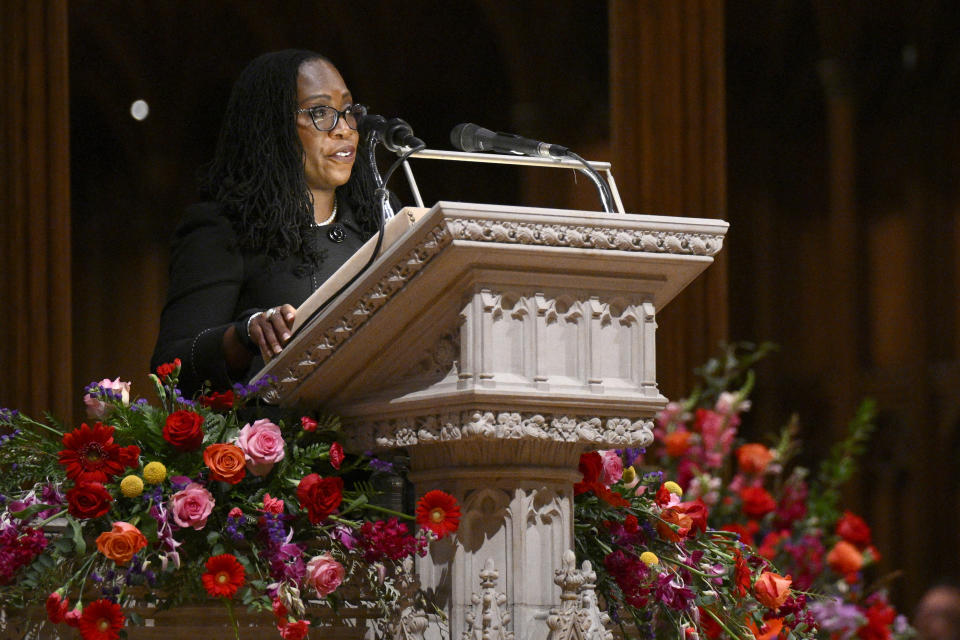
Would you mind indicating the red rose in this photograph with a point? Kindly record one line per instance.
(319, 496)
(591, 465)
(757, 502)
(853, 529)
(218, 400)
(88, 500)
(183, 431)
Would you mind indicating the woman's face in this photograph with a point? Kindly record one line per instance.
(329, 155)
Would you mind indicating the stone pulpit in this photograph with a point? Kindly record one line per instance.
(495, 344)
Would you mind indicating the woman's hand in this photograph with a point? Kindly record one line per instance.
(270, 329)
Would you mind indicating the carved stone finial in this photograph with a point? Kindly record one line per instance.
(578, 617)
(487, 619)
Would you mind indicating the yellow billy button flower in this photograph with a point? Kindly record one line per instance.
(131, 486)
(155, 472)
(649, 558)
(629, 475)
(673, 488)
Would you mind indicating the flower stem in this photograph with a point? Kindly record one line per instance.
(387, 511)
(721, 623)
(35, 423)
(233, 619)
(53, 517)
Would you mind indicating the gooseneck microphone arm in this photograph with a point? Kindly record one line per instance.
(473, 138)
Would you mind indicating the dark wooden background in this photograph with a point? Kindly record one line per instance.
(827, 133)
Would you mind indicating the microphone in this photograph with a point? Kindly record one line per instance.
(472, 137)
(395, 134)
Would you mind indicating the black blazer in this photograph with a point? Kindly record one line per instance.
(214, 284)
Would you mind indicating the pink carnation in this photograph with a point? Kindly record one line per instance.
(262, 444)
(324, 574)
(192, 506)
(272, 505)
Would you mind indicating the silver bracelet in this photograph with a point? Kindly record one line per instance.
(249, 320)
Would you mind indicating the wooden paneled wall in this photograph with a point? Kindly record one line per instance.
(669, 150)
(35, 292)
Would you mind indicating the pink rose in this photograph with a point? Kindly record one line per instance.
(262, 444)
(192, 506)
(612, 467)
(97, 408)
(324, 574)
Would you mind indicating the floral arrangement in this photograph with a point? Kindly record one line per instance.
(704, 535)
(174, 503)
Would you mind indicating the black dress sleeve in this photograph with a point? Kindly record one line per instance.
(206, 276)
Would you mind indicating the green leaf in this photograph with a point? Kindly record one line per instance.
(78, 541)
(63, 545)
(149, 529)
(23, 514)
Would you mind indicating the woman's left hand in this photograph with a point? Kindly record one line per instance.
(271, 329)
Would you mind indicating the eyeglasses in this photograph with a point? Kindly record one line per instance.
(326, 118)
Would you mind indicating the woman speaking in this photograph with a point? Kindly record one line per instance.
(287, 206)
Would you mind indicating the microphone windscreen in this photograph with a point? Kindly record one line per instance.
(469, 137)
(371, 122)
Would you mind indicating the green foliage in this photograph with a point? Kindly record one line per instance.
(841, 465)
(733, 369)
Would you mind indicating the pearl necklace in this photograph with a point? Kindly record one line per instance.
(333, 215)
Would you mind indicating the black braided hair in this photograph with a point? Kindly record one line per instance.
(257, 172)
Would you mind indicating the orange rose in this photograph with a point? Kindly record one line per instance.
(677, 443)
(121, 542)
(772, 589)
(673, 516)
(844, 558)
(754, 458)
(226, 462)
(769, 631)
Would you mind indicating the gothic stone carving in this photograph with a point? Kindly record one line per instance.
(600, 433)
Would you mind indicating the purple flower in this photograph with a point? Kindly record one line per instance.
(381, 465)
(671, 592)
(179, 483)
(344, 535)
(7, 416)
(835, 617)
(254, 388)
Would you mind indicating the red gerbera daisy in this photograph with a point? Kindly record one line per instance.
(224, 576)
(439, 512)
(91, 455)
(101, 620)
